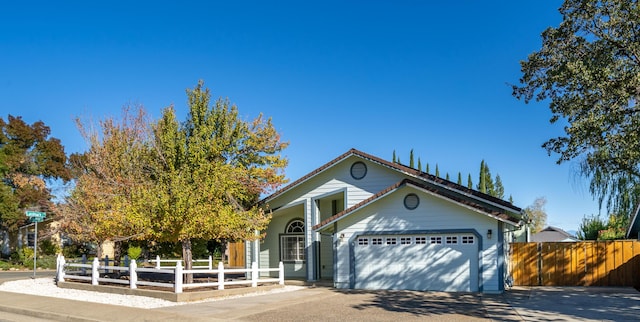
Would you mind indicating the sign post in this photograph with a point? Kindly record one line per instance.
(35, 217)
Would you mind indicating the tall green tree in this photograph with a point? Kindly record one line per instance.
(411, 162)
(469, 182)
(419, 165)
(588, 70)
(499, 188)
(394, 156)
(459, 178)
(210, 171)
(427, 169)
(482, 179)
(29, 157)
(110, 181)
(437, 171)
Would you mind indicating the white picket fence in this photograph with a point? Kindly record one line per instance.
(73, 271)
(158, 263)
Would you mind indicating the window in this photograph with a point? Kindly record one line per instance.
(467, 239)
(435, 240)
(452, 239)
(296, 226)
(392, 241)
(292, 242)
(358, 170)
(421, 240)
(405, 240)
(376, 241)
(411, 201)
(363, 241)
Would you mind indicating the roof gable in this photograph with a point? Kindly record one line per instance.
(416, 174)
(484, 208)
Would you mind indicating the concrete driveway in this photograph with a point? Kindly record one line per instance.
(518, 304)
(575, 303)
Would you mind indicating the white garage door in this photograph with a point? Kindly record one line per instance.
(443, 262)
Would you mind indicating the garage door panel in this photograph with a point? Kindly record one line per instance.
(440, 267)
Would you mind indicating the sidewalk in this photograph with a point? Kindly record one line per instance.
(220, 310)
(69, 310)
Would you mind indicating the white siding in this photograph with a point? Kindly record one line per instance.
(336, 179)
(270, 245)
(433, 213)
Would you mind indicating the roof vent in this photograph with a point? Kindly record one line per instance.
(358, 170)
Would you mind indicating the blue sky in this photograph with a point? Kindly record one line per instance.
(377, 76)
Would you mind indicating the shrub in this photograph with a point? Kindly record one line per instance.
(47, 247)
(134, 252)
(5, 265)
(46, 261)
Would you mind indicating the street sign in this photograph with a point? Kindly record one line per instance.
(35, 217)
(36, 214)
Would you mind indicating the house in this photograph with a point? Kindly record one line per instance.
(633, 231)
(366, 223)
(553, 234)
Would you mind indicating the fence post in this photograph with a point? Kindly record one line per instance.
(133, 275)
(178, 282)
(157, 261)
(254, 274)
(60, 264)
(281, 273)
(210, 262)
(94, 271)
(220, 275)
(106, 264)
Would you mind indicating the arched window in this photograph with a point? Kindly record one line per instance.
(292, 241)
(295, 226)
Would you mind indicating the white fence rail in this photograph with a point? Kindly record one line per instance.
(77, 271)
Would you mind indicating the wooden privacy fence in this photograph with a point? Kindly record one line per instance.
(588, 263)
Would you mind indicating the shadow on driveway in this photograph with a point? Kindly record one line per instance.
(422, 304)
(575, 303)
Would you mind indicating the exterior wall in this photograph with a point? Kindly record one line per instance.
(433, 213)
(333, 181)
(270, 246)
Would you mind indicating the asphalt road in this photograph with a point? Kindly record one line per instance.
(16, 275)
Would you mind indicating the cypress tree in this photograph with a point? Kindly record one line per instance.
(491, 189)
(427, 171)
(411, 164)
(459, 178)
(419, 165)
(499, 191)
(469, 182)
(447, 176)
(482, 185)
(394, 157)
(437, 171)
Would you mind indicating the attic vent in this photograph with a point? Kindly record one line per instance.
(358, 170)
(411, 201)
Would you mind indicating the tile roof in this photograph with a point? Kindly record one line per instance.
(455, 191)
(502, 215)
(399, 167)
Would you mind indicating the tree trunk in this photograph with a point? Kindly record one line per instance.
(223, 250)
(117, 252)
(187, 258)
(99, 250)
